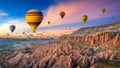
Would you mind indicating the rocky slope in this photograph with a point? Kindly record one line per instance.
(106, 38)
(58, 55)
(98, 35)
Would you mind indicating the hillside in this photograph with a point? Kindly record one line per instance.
(115, 27)
(97, 35)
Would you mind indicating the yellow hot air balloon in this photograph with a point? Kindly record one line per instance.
(103, 10)
(12, 28)
(34, 17)
(84, 18)
(62, 14)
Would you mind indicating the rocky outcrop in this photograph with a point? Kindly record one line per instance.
(15, 60)
(113, 38)
(116, 40)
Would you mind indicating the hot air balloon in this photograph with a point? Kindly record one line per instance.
(7, 34)
(23, 32)
(62, 14)
(12, 28)
(103, 10)
(84, 18)
(48, 22)
(69, 28)
(34, 18)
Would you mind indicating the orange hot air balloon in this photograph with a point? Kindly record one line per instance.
(62, 14)
(34, 17)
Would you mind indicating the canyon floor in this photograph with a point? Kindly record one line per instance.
(93, 47)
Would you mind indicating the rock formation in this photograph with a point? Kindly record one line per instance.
(100, 39)
(82, 49)
(59, 55)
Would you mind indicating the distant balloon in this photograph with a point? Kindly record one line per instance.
(34, 17)
(41, 34)
(48, 22)
(84, 18)
(12, 28)
(69, 28)
(62, 14)
(7, 34)
(23, 32)
(103, 10)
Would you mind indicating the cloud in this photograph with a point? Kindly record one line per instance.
(2, 13)
(73, 12)
(20, 24)
(74, 9)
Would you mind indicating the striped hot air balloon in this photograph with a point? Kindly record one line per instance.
(34, 18)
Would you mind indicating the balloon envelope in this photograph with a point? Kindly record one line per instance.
(62, 14)
(34, 17)
(84, 18)
(103, 10)
(12, 28)
(23, 32)
(48, 22)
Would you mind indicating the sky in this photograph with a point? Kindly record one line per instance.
(12, 12)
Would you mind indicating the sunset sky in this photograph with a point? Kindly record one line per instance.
(12, 12)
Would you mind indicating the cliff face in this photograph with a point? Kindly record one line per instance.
(113, 38)
(98, 35)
